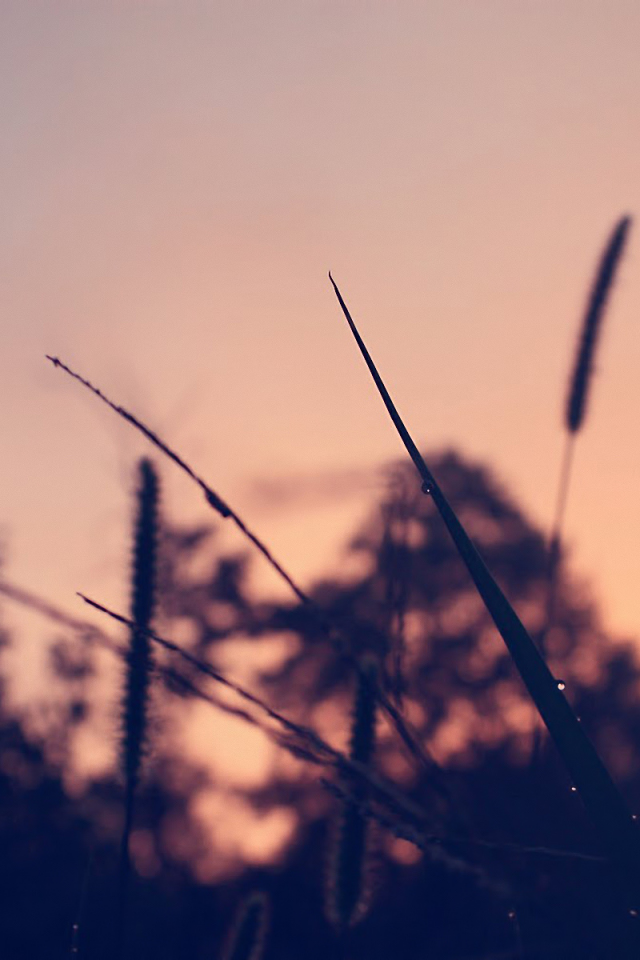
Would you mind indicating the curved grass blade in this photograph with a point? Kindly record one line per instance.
(601, 798)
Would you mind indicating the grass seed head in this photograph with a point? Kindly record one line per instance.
(348, 874)
(139, 659)
(602, 285)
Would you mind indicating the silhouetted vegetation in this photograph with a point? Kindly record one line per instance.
(429, 814)
(507, 863)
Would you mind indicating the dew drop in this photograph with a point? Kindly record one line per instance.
(634, 816)
(426, 487)
(561, 685)
(512, 915)
(574, 789)
(633, 913)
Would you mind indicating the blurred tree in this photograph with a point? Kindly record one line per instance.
(412, 607)
(480, 892)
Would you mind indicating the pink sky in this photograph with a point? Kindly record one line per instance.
(178, 179)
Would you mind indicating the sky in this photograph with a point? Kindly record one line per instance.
(177, 180)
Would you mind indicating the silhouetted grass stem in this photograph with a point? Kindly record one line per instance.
(139, 663)
(347, 879)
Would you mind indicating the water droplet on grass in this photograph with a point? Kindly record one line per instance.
(561, 685)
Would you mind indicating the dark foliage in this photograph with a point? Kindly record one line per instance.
(480, 892)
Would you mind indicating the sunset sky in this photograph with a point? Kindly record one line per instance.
(178, 178)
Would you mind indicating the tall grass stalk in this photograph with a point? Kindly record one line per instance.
(347, 891)
(138, 672)
(603, 801)
(577, 396)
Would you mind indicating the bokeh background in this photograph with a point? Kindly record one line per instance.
(177, 179)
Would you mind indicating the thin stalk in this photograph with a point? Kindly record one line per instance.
(552, 574)
(578, 394)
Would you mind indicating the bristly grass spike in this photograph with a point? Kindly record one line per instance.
(139, 665)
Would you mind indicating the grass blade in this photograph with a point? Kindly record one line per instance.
(603, 801)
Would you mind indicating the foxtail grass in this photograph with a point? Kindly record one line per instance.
(138, 670)
(577, 396)
(602, 800)
(600, 292)
(348, 874)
